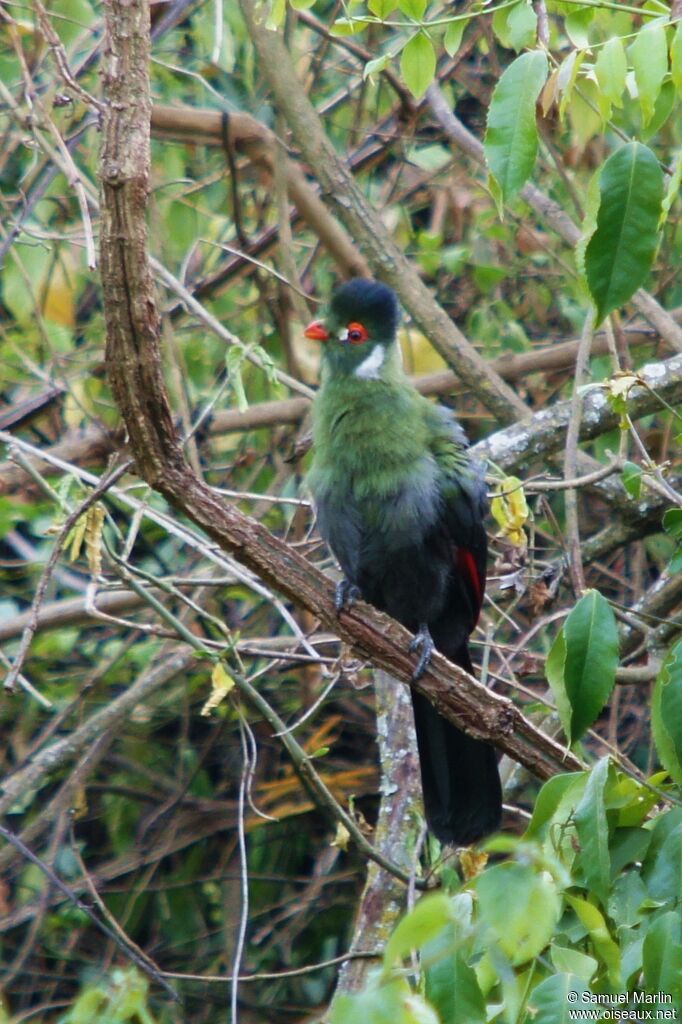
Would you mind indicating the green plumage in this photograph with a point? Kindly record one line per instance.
(402, 506)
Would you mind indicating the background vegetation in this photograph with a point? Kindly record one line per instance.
(191, 761)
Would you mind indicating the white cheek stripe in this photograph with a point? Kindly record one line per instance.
(369, 367)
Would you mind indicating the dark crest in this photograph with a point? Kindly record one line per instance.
(368, 302)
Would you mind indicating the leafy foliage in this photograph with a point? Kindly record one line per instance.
(159, 802)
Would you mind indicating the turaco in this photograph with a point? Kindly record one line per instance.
(402, 506)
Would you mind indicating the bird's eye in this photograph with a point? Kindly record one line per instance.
(357, 334)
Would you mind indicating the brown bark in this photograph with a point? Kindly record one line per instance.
(134, 365)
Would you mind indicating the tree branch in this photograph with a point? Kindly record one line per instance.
(134, 364)
(367, 228)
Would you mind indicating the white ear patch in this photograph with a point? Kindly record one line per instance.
(369, 367)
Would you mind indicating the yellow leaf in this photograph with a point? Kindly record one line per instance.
(510, 510)
(342, 837)
(221, 684)
(419, 355)
(59, 296)
(472, 863)
(76, 537)
(94, 524)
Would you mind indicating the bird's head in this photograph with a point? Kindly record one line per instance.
(359, 329)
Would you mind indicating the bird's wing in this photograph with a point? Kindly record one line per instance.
(464, 506)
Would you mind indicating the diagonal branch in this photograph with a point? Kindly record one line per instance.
(133, 357)
(366, 227)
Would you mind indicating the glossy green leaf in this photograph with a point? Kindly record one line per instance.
(418, 64)
(550, 797)
(619, 254)
(649, 56)
(672, 192)
(511, 138)
(555, 667)
(521, 906)
(577, 24)
(591, 639)
(413, 8)
(376, 1004)
(662, 957)
(666, 712)
(676, 58)
(381, 8)
(419, 926)
(572, 961)
(611, 69)
(374, 67)
(662, 867)
(606, 949)
(632, 479)
(452, 40)
(593, 833)
(516, 27)
(672, 522)
(551, 1001)
(451, 985)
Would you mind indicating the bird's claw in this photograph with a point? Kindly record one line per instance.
(422, 641)
(346, 594)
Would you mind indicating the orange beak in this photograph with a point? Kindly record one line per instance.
(317, 331)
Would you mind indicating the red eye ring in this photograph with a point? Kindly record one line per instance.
(357, 334)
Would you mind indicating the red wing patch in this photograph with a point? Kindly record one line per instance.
(466, 563)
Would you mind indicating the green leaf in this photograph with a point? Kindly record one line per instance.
(373, 67)
(521, 906)
(672, 522)
(619, 254)
(451, 985)
(549, 799)
(381, 8)
(418, 64)
(611, 69)
(663, 108)
(671, 193)
(554, 999)
(511, 138)
(604, 946)
(348, 26)
(649, 56)
(632, 479)
(302, 5)
(523, 26)
(662, 868)
(452, 39)
(577, 24)
(666, 711)
(413, 8)
(626, 899)
(571, 961)
(421, 925)
(662, 956)
(555, 667)
(676, 58)
(377, 1004)
(591, 640)
(593, 833)
(516, 27)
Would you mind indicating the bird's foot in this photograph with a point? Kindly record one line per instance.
(346, 594)
(423, 641)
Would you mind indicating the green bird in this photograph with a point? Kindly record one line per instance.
(402, 506)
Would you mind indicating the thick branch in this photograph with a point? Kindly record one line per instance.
(258, 143)
(134, 364)
(367, 228)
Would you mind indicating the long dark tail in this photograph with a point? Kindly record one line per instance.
(460, 781)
